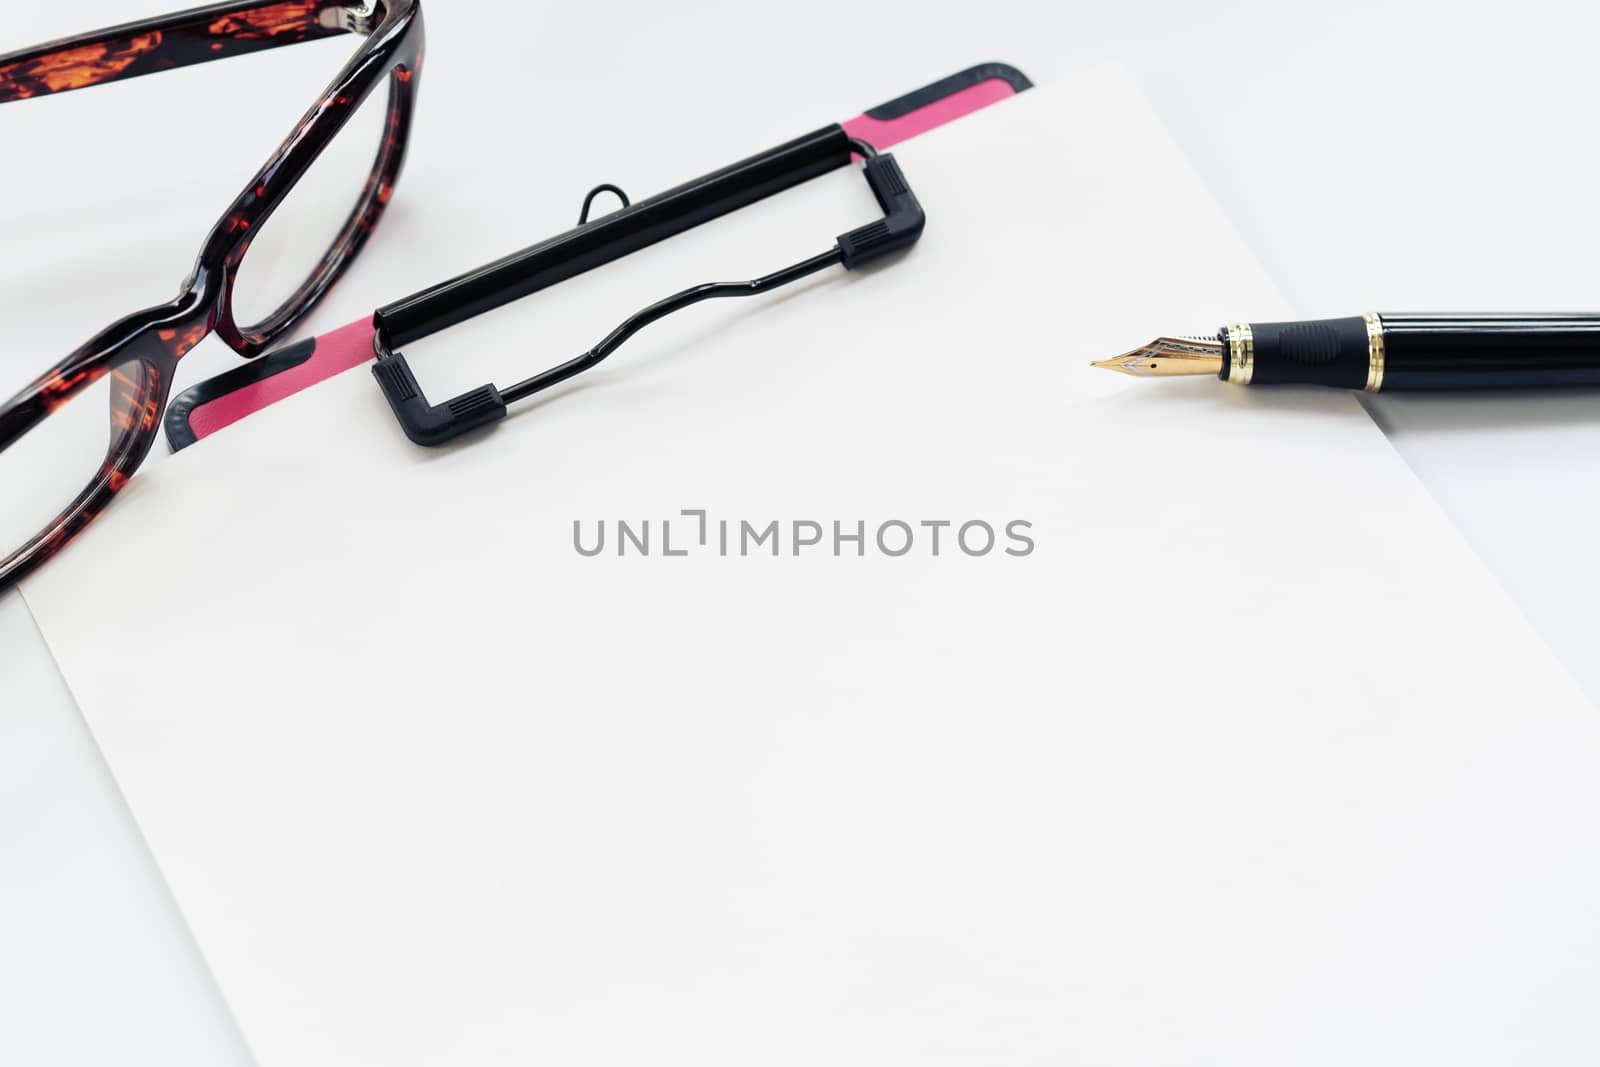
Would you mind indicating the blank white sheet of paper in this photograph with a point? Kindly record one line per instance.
(1249, 761)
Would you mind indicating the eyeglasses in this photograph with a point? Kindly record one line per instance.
(74, 437)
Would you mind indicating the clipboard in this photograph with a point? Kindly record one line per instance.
(223, 400)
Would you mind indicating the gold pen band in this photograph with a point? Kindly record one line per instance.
(1375, 354)
(1241, 353)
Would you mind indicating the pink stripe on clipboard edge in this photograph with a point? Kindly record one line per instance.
(884, 134)
(335, 352)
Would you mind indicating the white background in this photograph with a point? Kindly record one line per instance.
(1379, 156)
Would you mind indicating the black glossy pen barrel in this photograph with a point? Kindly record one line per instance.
(1490, 351)
(614, 236)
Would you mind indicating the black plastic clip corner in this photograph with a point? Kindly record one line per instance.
(434, 424)
(901, 225)
(634, 227)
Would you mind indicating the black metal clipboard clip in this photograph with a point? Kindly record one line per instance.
(616, 235)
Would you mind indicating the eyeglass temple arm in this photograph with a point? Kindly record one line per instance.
(178, 40)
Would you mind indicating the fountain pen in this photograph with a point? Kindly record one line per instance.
(1385, 352)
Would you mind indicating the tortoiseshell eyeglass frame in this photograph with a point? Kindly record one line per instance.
(141, 351)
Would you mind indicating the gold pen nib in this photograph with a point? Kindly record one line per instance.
(1167, 357)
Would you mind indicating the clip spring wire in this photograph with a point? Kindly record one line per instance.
(588, 201)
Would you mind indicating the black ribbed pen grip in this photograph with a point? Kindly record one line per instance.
(1314, 352)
